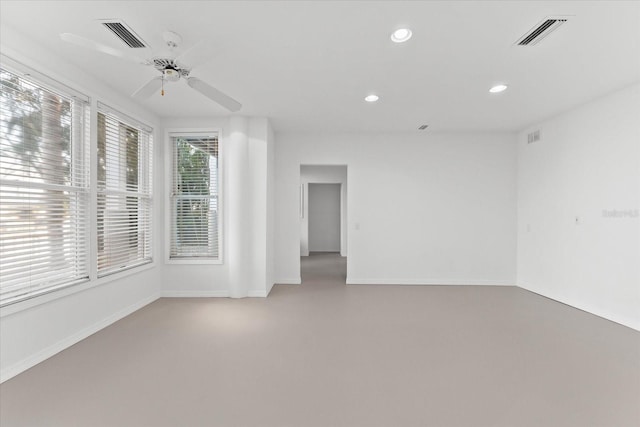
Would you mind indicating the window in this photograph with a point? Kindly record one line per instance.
(44, 187)
(124, 192)
(194, 197)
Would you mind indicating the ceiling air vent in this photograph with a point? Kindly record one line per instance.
(423, 127)
(533, 137)
(540, 31)
(124, 33)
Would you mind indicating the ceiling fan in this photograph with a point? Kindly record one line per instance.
(172, 67)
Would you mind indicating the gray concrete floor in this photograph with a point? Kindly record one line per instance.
(326, 354)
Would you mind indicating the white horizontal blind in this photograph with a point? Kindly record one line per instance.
(194, 197)
(124, 192)
(44, 188)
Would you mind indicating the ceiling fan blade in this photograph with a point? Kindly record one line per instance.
(198, 54)
(148, 88)
(214, 94)
(99, 47)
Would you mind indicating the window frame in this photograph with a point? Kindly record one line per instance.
(168, 185)
(128, 121)
(81, 147)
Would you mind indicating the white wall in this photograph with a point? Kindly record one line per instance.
(36, 329)
(422, 208)
(257, 206)
(271, 210)
(324, 217)
(586, 166)
(327, 174)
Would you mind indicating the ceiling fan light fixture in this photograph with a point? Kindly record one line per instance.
(401, 35)
(171, 75)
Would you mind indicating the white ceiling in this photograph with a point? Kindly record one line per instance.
(308, 65)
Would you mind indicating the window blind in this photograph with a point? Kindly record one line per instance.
(44, 188)
(124, 176)
(194, 197)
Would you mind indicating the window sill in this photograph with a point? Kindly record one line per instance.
(193, 261)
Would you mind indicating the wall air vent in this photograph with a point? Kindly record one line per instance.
(540, 31)
(124, 33)
(533, 137)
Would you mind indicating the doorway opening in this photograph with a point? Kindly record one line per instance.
(323, 222)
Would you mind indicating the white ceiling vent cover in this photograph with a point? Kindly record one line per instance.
(124, 33)
(541, 30)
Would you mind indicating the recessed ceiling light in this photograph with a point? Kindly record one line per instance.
(498, 88)
(401, 35)
(371, 98)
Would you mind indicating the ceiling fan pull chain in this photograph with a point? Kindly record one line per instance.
(162, 91)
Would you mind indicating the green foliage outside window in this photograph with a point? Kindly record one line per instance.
(193, 180)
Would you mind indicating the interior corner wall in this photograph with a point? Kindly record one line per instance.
(578, 201)
(33, 330)
(422, 208)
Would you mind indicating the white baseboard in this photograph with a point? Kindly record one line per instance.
(430, 282)
(65, 343)
(628, 322)
(257, 293)
(296, 281)
(195, 294)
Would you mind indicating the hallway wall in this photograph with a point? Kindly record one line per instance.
(324, 217)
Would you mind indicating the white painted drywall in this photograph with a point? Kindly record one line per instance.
(238, 199)
(328, 174)
(324, 217)
(585, 167)
(257, 207)
(36, 329)
(271, 210)
(422, 207)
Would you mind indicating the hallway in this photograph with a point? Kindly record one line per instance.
(325, 269)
